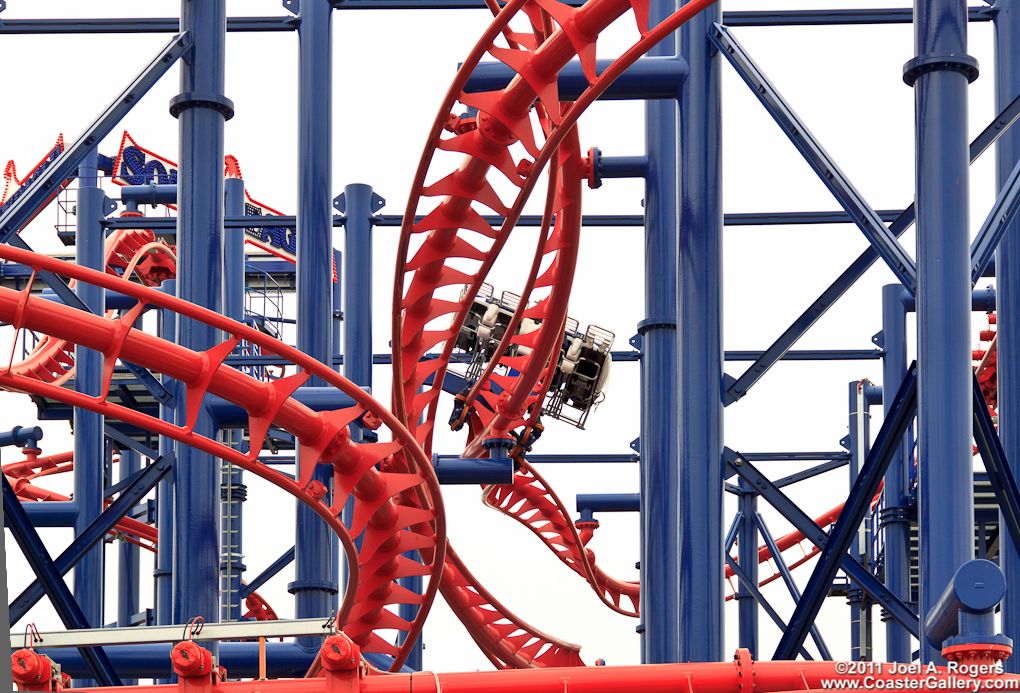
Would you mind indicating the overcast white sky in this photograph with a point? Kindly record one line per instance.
(391, 71)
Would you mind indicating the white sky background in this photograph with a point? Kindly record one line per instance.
(391, 70)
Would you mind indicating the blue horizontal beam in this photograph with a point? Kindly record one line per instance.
(835, 17)
(230, 415)
(609, 502)
(142, 25)
(451, 470)
(981, 300)
(648, 78)
(583, 459)
(20, 436)
(50, 513)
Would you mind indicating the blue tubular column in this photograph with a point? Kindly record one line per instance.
(939, 75)
(89, 450)
(166, 328)
(232, 489)
(747, 545)
(699, 333)
(128, 560)
(314, 583)
(895, 516)
(201, 109)
(860, 444)
(1007, 271)
(661, 505)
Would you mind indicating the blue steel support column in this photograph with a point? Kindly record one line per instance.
(166, 328)
(700, 351)
(1007, 271)
(747, 545)
(660, 562)
(314, 586)
(860, 444)
(201, 109)
(128, 560)
(945, 397)
(232, 488)
(90, 243)
(895, 516)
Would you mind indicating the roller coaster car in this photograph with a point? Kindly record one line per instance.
(485, 325)
(582, 375)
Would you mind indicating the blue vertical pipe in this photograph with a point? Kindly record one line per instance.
(90, 244)
(314, 586)
(945, 477)
(201, 110)
(415, 583)
(1007, 271)
(339, 574)
(166, 328)
(128, 561)
(232, 488)
(700, 351)
(747, 558)
(895, 516)
(661, 506)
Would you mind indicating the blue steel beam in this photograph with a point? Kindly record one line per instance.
(652, 77)
(874, 229)
(791, 585)
(748, 583)
(1002, 213)
(834, 552)
(44, 187)
(1000, 476)
(747, 555)
(737, 388)
(51, 513)
(279, 564)
(63, 601)
(888, 15)
(1007, 270)
(810, 473)
(698, 344)
(128, 559)
(131, 25)
(94, 533)
(737, 464)
(940, 74)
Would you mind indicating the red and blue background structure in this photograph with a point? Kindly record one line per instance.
(367, 464)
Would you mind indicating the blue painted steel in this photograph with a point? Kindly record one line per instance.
(93, 534)
(661, 501)
(809, 473)
(163, 597)
(737, 464)
(201, 110)
(945, 416)
(140, 25)
(338, 313)
(128, 560)
(315, 578)
(791, 585)
(152, 194)
(895, 517)
(608, 502)
(737, 389)
(20, 436)
(408, 612)
(37, 193)
(977, 587)
(60, 596)
(699, 345)
(748, 584)
(51, 514)
(870, 224)
(858, 503)
(279, 564)
(860, 443)
(995, 224)
(359, 208)
(114, 299)
(747, 557)
(652, 77)
(998, 471)
(473, 471)
(240, 659)
(980, 300)
(89, 442)
(1007, 270)
(229, 415)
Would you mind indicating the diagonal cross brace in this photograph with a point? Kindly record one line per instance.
(748, 583)
(737, 464)
(856, 507)
(737, 388)
(994, 457)
(65, 166)
(60, 594)
(94, 533)
(870, 223)
(279, 564)
(982, 250)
